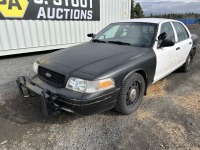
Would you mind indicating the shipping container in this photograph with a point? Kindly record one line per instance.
(43, 25)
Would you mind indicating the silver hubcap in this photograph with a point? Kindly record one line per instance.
(133, 95)
(189, 61)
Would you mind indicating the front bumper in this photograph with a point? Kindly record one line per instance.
(54, 100)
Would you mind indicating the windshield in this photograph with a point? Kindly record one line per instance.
(136, 34)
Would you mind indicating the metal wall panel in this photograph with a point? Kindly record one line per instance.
(23, 36)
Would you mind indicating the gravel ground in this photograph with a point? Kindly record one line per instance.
(169, 116)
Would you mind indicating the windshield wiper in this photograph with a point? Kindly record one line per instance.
(119, 42)
(99, 41)
(140, 45)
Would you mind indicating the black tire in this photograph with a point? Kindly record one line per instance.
(187, 65)
(131, 94)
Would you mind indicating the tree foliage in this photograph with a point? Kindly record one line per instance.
(176, 15)
(136, 10)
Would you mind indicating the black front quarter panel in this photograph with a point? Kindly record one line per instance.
(145, 63)
(99, 102)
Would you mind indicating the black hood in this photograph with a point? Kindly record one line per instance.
(93, 58)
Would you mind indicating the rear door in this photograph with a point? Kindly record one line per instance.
(183, 43)
(166, 57)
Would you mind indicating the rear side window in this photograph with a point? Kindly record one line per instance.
(181, 31)
(167, 27)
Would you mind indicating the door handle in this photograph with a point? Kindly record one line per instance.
(178, 48)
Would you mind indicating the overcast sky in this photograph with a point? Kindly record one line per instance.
(169, 6)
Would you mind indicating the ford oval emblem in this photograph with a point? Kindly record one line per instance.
(48, 75)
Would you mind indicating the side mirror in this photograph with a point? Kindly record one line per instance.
(162, 36)
(92, 35)
(167, 43)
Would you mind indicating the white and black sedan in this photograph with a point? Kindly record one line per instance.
(113, 70)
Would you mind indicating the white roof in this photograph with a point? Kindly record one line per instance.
(148, 20)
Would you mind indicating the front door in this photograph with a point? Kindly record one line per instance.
(166, 57)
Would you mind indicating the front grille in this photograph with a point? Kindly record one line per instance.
(51, 77)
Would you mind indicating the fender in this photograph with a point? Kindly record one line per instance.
(141, 72)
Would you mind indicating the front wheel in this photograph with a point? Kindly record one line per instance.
(131, 94)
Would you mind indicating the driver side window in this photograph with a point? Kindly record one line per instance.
(167, 27)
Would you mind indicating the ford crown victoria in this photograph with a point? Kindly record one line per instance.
(113, 70)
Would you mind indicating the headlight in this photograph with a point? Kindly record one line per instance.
(35, 67)
(84, 86)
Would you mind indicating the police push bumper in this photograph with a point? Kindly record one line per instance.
(55, 100)
(28, 89)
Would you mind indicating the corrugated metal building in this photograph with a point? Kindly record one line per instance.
(23, 35)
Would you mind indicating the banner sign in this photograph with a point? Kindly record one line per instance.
(88, 10)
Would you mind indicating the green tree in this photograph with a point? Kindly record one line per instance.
(177, 15)
(132, 9)
(136, 10)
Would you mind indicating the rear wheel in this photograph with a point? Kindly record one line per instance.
(131, 94)
(186, 66)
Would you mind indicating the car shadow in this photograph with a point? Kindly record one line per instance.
(27, 111)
